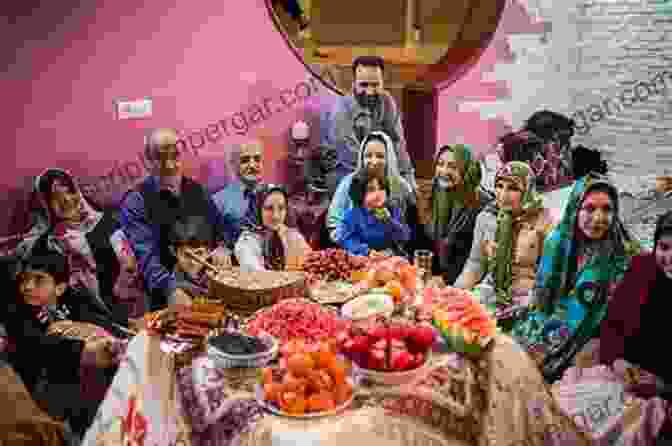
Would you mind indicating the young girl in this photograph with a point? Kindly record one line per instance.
(372, 224)
(271, 244)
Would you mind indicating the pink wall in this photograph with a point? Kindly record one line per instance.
(201, 62)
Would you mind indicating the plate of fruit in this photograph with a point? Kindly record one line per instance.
(307, 384)
(465, 323)
(388, 353)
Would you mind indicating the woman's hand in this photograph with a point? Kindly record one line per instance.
(489, 248)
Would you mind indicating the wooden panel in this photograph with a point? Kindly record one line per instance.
(441, 21)
(358, 23)
(420, 128)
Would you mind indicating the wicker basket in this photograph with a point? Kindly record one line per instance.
(244, 293)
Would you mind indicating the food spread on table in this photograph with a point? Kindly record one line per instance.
(331, 265)
(292, 318)
(185, 321)
(308, 381)
(375, 302)
(464, 321)
(233, 343)
(387, 347)
(333, 293)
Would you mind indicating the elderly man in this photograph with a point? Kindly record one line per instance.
(368, 98)
(150, 210)
(237, 201)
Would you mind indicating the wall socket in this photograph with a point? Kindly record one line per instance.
(137, 109)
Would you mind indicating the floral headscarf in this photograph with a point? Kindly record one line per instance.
(65, 237)
(606, 260)
(272, 248)
(531, 204)
(445, 201)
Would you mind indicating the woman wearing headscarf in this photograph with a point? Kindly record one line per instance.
(585, 258)
(508, 241)
(270, 244)
(447, 213)
(640, 305)
(376, 153)
(74, 228)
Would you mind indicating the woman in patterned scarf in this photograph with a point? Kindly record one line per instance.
(448, 207)
(74, 228)
(508, 241)
(271, 244)
(585, 258)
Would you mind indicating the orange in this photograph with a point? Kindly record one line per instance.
(299, 364)
(337, 372)
(408, 275)
(342, 393)
(393, 288)
(272, 391)
(266, 376)
(324, 359)
(294, 384)
(317, 403)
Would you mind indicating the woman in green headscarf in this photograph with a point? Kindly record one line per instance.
(585, 258)
(448, 207)
(508, 242)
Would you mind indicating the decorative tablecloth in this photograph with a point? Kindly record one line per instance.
(498, 400)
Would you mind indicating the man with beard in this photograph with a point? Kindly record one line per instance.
(237, 201)
(150, 210)
(368, 98)
(447, 210)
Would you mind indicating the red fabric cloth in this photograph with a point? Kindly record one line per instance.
(624, 313)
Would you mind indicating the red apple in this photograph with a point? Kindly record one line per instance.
(342, 337)
(378, 332)
(361, 344)
(418, 360)
(423, 337)
(376, 360)
(402, 360)
(397, 331)
(396, 344)
(349, 346)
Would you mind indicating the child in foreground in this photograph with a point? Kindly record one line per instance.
(42, 298)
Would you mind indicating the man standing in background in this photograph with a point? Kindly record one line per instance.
(368, 97)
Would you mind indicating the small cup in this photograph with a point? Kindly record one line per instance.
(423, 262)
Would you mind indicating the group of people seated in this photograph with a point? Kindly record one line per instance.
(554, 283)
